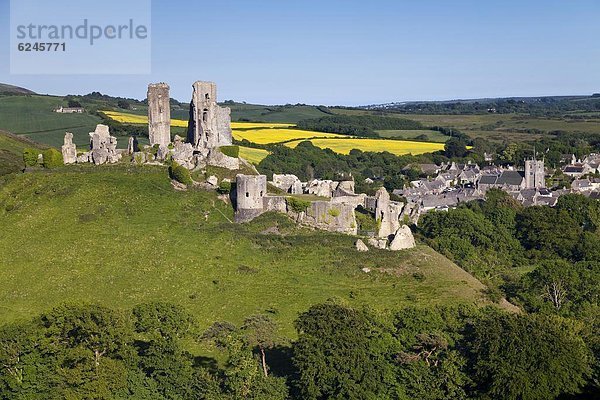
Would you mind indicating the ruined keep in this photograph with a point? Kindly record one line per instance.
(250, 191)
(534, 174)
(210, 125)
(159, 114)
(69, 150)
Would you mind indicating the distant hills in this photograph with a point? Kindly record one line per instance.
(10, 89)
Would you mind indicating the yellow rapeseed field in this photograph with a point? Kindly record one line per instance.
(259, 125)
(397, 147)
(254, 156)
(264, 136)
(135, 119)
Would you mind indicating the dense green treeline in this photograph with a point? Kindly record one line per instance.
(548, 106)
(357, 125)
(461, 352)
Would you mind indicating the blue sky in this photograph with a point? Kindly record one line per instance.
(355, 52)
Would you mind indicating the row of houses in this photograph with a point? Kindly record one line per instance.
(459, 183)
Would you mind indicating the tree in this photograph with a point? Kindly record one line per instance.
(163, 320)
(74, 104)
(340, 354)
(528, 357)
(124, 104)
(455, 148)
(261, 332)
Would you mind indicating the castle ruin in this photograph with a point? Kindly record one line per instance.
(159, 114)
(210, 125)
(334, 215)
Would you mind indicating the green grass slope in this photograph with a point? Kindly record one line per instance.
(287, 114)
(6, 89)
(11, 152)
(34, 118)
(122, 235)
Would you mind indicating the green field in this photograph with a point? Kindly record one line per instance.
(121, 235)
(428, 135)
(33, 117)
(507, 126)
(259, 113)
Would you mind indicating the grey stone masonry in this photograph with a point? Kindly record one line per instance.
(159, 114)
(210, 125)
(250, 192)
(69, 150)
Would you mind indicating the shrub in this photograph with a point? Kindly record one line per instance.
(30, 157)
(52, 158)
(297, 205)
(180, 174)
(230, 151)
(224, 187)
(334, 212)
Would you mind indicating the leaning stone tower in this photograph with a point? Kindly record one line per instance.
(250, 191)
(210, 125)
(159, 114)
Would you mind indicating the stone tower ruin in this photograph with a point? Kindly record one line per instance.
(209, 125)
(534, 174)
(159, 114)
(250, 192)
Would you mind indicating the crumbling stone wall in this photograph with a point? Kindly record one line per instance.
(288, 183)
(69, 150)
(210, 125)
(159, 114)
(330, 217)
(103, 146)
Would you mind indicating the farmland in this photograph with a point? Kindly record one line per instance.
(270, 135)
(34, 118)
(397, 147)
(254, 156)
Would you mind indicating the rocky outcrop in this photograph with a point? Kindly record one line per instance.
(69, 150)
(212, 180)
(217, 159)
(361, 246)
(378, 243)
(183, 154)
(403, 239)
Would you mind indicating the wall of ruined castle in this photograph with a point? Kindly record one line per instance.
(210, 125)
(159, 114)
(331, 217)
(249, 194)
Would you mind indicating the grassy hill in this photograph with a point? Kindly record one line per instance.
(121, 235)
(6, 89)
(33, 117)
(11, 152)
(287, 113)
